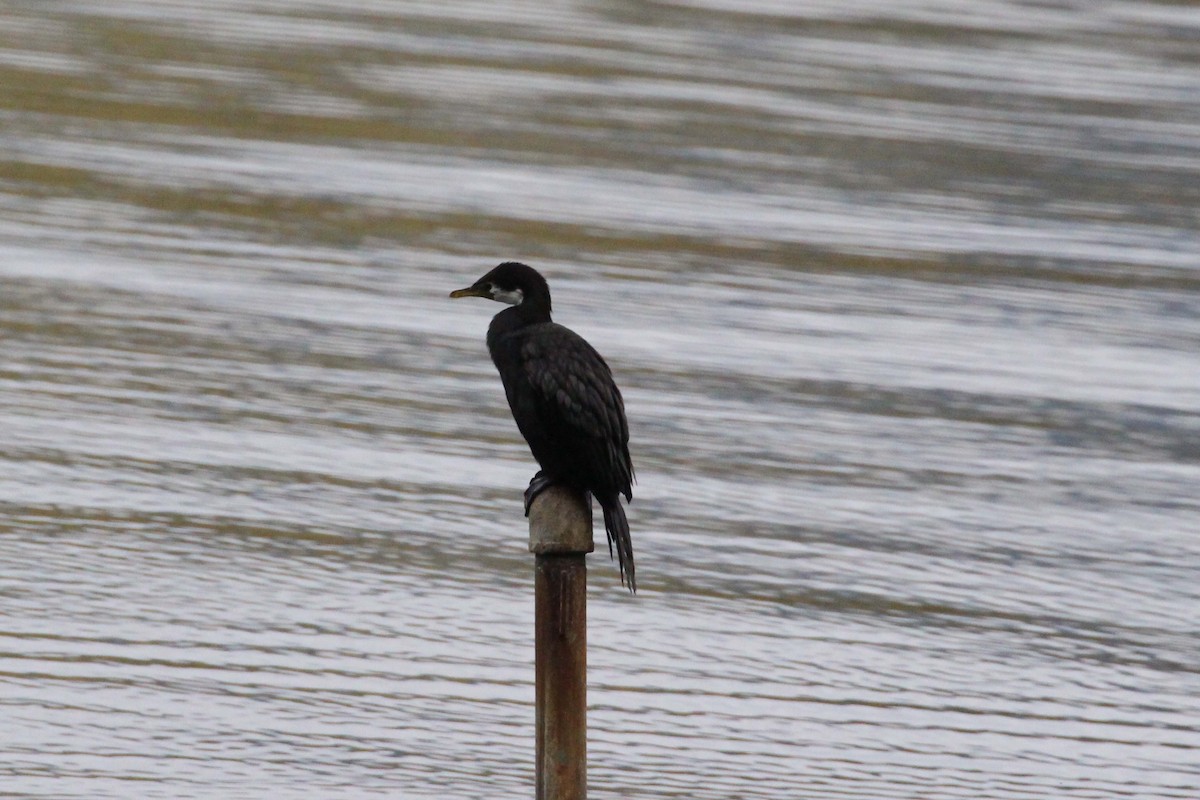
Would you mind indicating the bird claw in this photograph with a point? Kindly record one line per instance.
(538, 484)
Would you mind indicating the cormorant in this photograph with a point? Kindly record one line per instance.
(563, 398)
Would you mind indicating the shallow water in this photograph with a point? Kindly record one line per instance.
(906, 310)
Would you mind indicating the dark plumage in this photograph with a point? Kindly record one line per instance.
(563, 398)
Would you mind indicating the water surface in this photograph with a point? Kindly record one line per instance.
(906, 310)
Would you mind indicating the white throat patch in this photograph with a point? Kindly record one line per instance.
(513, 298)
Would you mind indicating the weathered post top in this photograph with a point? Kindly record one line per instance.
(560, 521)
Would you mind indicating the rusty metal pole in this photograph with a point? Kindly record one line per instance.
(560, 535)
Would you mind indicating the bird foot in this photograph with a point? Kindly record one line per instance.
(538, 484)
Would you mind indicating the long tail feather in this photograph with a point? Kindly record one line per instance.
(617, 528)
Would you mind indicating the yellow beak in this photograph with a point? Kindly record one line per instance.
(470, 291)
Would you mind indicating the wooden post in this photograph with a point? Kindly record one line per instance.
(560, 535)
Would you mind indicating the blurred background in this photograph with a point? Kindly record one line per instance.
(904, 299)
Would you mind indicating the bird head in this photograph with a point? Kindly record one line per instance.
(511, 283)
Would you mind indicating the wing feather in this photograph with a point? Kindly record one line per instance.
(573, 385)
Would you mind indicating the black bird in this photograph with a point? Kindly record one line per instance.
(564, 400)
